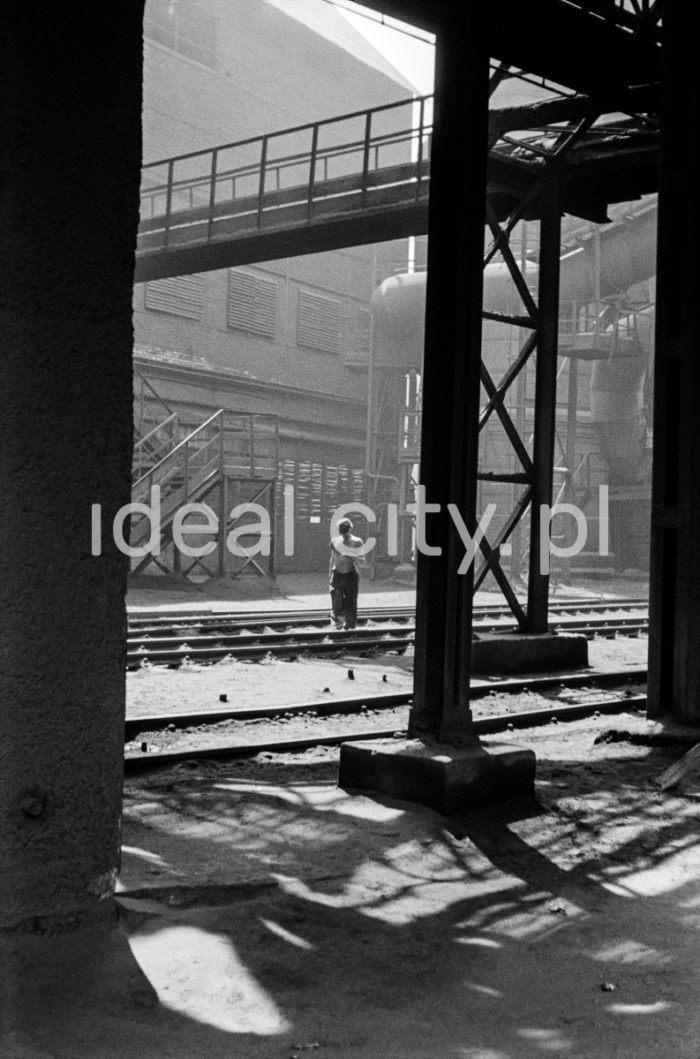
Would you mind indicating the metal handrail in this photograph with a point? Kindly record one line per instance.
(179, 447)
(173, 418)
(212, 177)
(288, 132)
(290, 160)
(149, 445)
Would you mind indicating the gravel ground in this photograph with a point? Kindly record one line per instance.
(154, 691)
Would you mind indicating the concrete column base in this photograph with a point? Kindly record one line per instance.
(517, 652)
(447, 779)
(52, 984)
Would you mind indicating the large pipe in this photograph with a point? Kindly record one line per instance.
(626, 257)
(618, 404)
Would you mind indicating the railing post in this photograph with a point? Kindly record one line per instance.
(261, 187)
(222, 500)
(212, 190)
(271, 511)
(419, 160)
(312, 171)
(365, 159)
(251, 430)
(169, 201)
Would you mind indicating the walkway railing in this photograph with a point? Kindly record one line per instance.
(360, 160)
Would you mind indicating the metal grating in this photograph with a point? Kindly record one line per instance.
(252, 303)
(318, 322)
(179, 295)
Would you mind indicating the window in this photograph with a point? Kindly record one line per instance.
(252, 303)
(184, 26)
(179, 295)
(318, 322)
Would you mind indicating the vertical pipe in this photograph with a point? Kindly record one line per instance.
(571, 434)
(545, 399)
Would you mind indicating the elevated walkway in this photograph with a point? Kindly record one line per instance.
(364, 177)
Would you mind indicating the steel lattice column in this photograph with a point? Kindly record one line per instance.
(545, 397)
(451, 381)
(674, 618)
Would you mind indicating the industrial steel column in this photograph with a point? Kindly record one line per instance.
(674, 618)
(451, 377)
(442, 764)
(545, 399)
(72, 143)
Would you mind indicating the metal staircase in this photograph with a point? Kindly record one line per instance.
(229, 459)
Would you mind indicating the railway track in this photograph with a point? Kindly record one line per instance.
(357, 704)
(623, 700)
(168, 639)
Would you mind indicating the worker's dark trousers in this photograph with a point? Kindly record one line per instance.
(344, 598)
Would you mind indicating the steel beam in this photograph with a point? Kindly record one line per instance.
(451, 379)
(545, 395)
(578, 49)
(674, 612)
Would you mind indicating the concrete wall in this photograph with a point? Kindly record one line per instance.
(270, 71)
(71, 139)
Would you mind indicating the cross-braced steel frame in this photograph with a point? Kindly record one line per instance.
(540, 321)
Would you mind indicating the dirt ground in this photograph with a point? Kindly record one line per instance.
(278, 916)
(154, 690)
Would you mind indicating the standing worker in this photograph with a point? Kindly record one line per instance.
(344, 577)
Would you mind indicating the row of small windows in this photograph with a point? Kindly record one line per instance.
(252, 308)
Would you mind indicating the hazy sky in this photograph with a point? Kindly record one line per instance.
(411, 57)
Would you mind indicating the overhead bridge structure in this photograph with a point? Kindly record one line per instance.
(365, 177)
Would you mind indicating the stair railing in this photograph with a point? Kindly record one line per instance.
(152, 447)
(190, 469)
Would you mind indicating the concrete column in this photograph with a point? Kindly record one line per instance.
(451, 375)
(71, 145)
(674, 636)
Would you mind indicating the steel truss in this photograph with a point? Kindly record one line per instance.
(540, 320)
